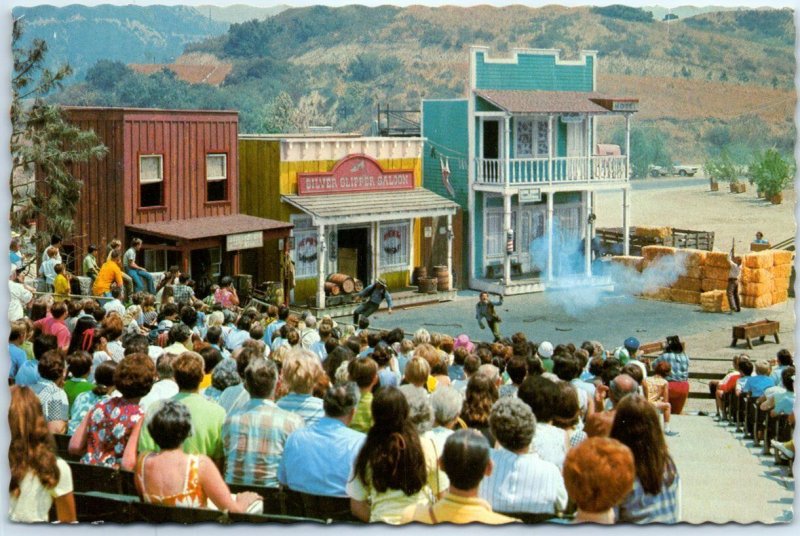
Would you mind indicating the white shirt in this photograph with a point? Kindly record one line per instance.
(34, 500)
(550, 443)
(114, 306)
(161, 390)
(523, 483)
(19, 297)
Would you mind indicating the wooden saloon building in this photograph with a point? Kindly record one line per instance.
(171, 178)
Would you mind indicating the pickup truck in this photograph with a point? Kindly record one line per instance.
(676, 169)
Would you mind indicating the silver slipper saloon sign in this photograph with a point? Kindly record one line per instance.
(355, 173)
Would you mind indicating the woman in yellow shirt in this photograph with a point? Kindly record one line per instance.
(109, 273)
(60, 283)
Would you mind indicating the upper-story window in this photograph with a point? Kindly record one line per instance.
(216, 177)
(532, 138)
(151, 180)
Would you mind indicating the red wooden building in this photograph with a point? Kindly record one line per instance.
(171, 179)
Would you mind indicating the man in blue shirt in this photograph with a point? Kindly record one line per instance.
(756, 385)
(375, 294)
(17, 354)
(318, 459)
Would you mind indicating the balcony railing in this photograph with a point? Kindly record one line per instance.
(557, 170)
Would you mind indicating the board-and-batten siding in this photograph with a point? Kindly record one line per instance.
(184, 142)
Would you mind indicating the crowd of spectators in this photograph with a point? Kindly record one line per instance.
(195, 395)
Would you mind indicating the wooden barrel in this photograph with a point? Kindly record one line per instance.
(442, 277)
(344, 281)
(427, 285)
(359, 285)
(420, 272)
(332, 288)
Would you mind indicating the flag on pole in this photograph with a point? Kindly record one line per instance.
(445, 164)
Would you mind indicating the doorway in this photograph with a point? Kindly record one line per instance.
(354, 252)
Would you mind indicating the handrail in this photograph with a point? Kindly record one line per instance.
(551, 170)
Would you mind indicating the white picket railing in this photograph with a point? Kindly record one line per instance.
(564, 169)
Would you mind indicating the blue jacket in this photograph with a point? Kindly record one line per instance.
(377, 293)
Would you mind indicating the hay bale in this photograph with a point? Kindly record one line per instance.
(716, 258)
(756, 289)
(781, 256)
(759, 302)
(759, 259)
(760, 275)
(660, 294)
(779, 296)
(687, 283)
(715, 272)
(695, 272)
(685, 296)
(653, 232)
(780, 271)
(693, 257)
(629, 261)
(653, 252)
(714, 301)
(780, 283)
(708, 284)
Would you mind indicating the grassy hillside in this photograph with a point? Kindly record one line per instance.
(699, 78)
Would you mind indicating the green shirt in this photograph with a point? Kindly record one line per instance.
(90, 267)
(362, 420)
(75, 386)
(207, 419)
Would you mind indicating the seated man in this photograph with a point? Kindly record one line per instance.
(521, 480)
(466, 460)
(317, 459)
(254, 436)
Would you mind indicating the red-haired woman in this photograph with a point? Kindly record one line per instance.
(38, 477)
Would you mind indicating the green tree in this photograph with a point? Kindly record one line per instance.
(771, 172)
(648, 147)
(278, 114)
(44, 146)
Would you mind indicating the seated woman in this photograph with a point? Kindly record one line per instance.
(390, 471)
(171, 477)
(109, 433)
(678, 379)
(656, 491)
(656, 389)
(38, 477)
(103, 390)
(481, 395)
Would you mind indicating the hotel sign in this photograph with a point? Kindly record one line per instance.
(355, 173)
(239, 241)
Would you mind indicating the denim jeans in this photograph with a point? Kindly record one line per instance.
(137, 276)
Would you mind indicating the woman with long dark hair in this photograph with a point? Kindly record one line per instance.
(38, 477)
(392, 471)
(656, 491)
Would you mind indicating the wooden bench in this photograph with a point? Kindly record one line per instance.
(759, 329)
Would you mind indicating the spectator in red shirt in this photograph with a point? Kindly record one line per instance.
(55, 324)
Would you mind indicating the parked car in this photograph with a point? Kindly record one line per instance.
(658, 171)
(685, 170)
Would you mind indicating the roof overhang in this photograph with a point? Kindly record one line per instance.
(560, 102)
(210, 227)
(365, 207)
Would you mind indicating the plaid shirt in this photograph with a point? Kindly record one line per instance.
(183, 294)
(306, 406)
(665, 507)
(55, 405)
(253, 439)
(679, 364)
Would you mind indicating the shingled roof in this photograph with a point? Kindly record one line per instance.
(532, 102)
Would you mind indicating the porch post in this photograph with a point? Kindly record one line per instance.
(285, 281)
(627, 147)
(587, 242)
(626, 241)
(588, 141)
(550, 147)
(507, 229)
(450, 250)
(321, 256)
(550, 236)
(507, 149)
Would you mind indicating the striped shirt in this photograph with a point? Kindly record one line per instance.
(253, 440)
(664, 507)
(523, 483)
(306, 406)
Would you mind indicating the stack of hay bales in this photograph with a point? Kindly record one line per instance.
(688, 287)
(650, 255)
(715, 271)
(781, 272)
(755, 284)
(714, 301)
(629, 261)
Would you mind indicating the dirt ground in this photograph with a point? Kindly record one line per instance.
(696, 207)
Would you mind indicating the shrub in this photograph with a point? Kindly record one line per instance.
(771, 172)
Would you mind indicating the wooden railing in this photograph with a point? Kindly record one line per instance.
(544, 170)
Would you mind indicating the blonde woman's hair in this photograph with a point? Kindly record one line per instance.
(217, 318)
(421, 336)
(301, 370)
(417, 371)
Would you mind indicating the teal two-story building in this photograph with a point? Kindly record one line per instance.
(523, 155)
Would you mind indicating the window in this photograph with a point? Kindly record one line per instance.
(155, 260)
(531, 138)
(216, 177)
(394, 245)
(305, 248)
(151, 180)
(216, 262)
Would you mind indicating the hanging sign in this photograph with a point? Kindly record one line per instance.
(239, 241)
(355, 173)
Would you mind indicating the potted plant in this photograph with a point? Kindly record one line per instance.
(721, 169)
(772, 173)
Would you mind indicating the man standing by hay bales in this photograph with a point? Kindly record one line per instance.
(734, 271)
